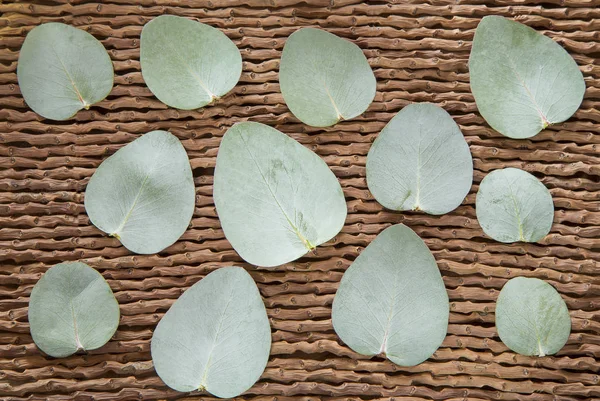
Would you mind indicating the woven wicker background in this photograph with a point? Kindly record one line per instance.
(419, 53)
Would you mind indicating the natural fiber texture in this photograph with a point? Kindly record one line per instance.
(419, 53)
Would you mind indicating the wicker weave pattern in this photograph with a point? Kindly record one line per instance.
(419, 53)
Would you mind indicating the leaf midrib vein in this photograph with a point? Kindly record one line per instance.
(119, 230)
(545, 121)
(304, 240)
(83, 102)
(517, 210)
(203, 383)
(193, 73)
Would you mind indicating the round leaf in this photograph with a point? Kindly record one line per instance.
(420, 161)
(531, 317)
(512, 205)
(522, 80)
(143, 194)
(324, 79)
(275, 198)
(187, 64)
(62, 70)
(72, 309)
(392, 300)
(216, 336)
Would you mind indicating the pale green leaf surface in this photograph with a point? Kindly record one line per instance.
(513, 205)
(392, 300)
(62, 70)
(276, 199)
(531, 317)
(324, 78)
(420, 161)
(215, 337)
(522, 80)
(188, 64)
(72, 309)
(144, 194)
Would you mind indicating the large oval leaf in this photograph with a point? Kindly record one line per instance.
(522, 80)
(392, 300)
(216, 336)
(420, 161)
(143, 194)
(531, 317)
(275, 198)
(324, 79)
(512, 205)
(72, 309)
(187, 64)
(62, 70)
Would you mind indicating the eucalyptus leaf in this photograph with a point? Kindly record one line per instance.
(531, 317)
(512, 205)
(216, 336)
(187, 64)
(275, 198)
(522, 80)
(420, 161)
(72, 309)
(324, 78)
(144, 194)
(62, 70)
(392, 300)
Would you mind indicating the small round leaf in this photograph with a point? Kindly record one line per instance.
(420, 161)
(531, 317)
(275, 198)
(62, 70)
(144, 194)
(187, 64)
(72, 309)
(324, 78)
(392, 300)
(512, 205)
(522, 81)
(216, 336)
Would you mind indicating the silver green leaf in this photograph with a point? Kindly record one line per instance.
(512, 205)
(187, 64)
(275, 198)
(420, 161)
(531, 317)
(144, 194)
(522, 80)
(72, 309)
(62, 70)
(392, 300)
(216, 336)
(324, 78)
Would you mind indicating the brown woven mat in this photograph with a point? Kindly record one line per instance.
(419, 53)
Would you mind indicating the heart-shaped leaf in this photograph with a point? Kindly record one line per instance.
(522, 80)
(187, 64)
(72, 309)
(324, 78)
(512, 205)
(216, 336)
(420, 161)
(531, 317)
(144, 194)
(62, 70)
(392, 300)
(275, 198)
